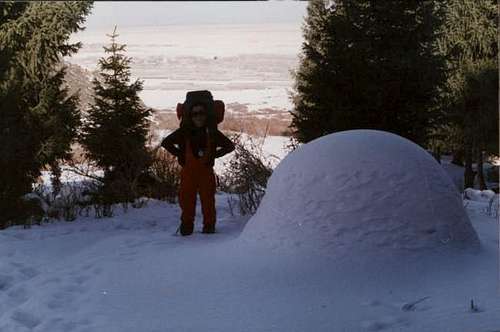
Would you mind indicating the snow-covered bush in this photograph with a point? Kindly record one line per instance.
(66, 203)
(478, 195)
(488, 196)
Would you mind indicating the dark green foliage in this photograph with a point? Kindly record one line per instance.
(367, 64)
(38, 119)
(469, 99)
(481, 111)
(115, 131)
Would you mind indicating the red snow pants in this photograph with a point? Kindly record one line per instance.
(197, 177)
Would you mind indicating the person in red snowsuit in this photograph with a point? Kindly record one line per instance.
(196, 146)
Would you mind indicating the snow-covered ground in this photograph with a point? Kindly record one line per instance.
(131, 273)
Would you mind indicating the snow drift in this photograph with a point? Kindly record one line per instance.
(361, 190)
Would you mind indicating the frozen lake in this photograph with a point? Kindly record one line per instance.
(247, 63)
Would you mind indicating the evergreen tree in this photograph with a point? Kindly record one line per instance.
(367, 64)
(115, 131)
(469, 99)
(38, 118)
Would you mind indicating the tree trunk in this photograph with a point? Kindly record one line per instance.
(458, 157)
(55, 177)
(480, 173)
(469, 172)
(437, 154)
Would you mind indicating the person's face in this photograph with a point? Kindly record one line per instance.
(199, 116)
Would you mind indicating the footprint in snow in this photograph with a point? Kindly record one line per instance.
(54, 280)
(64, 298)
(58, 301)
(136, 244)
(18, 295)
(87, 266)
(16, 264)
(128, 253)
(389, 322)
(372, 303)
(15, 297)
(60, 324)
(81, 279)
(26, 319)
(6, 282)
(374, 325)
(29, 272)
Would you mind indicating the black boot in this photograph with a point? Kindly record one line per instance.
(186, 229)
(208, 229)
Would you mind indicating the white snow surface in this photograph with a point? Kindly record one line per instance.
(130, 273)
(361, 190)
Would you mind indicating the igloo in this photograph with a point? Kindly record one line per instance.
(361, 190)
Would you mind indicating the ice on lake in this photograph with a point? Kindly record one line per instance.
(245, 63)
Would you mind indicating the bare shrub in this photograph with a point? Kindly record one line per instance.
(237, 119)
(33, 211)
(103, 209)
(292, 144)
(139, 203)
(66, 203)
(276, 125)
(69, 203)
(99, 198)
(127, 188)
(247, 173)
(232, 204)
(164, 176)
(493, 206)
(84, 167)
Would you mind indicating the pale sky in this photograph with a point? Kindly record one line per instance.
(140, 13)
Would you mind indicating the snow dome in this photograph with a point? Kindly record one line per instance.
(361, 190)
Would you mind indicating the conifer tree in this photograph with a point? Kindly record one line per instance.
(115, 131)
(38, 118)
(367, 64)
(469, 99)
